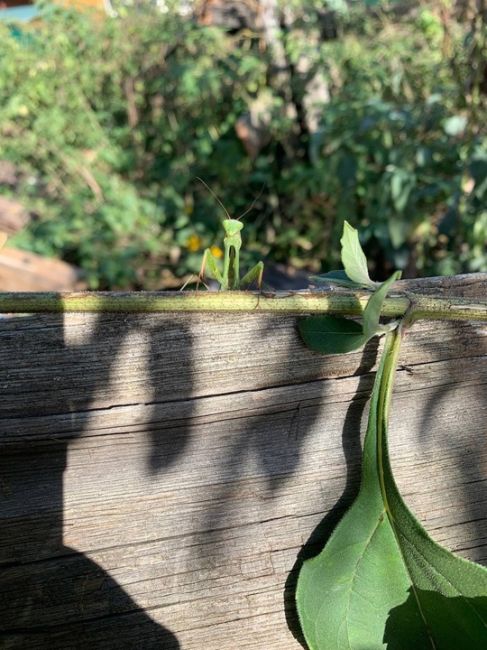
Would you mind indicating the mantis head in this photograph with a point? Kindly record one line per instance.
(232, 227)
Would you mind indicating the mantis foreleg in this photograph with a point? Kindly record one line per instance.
(210, 261)
(254, 275)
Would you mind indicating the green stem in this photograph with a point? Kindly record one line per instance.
(299, 302)
(386, 378)
(390, 493)
(391, 350)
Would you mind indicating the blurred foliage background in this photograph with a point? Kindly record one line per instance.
(372, 112)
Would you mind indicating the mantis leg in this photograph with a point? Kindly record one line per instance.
(191, 279)
(254, 275)
(209, 260)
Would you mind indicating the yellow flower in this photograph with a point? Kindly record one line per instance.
(193, 243)
(216, 252)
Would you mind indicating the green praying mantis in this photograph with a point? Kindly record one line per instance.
(229, 278)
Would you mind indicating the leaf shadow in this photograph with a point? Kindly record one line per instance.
(452, 622)
(274, 452)
(352, 451)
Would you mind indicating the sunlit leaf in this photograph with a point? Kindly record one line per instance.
(353, 257)
(381, 581)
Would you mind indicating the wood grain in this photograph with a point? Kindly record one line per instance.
(160, 473)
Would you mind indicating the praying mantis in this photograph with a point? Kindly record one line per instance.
(229, 278)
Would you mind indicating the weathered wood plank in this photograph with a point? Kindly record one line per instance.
(160, 473)
(24, 271)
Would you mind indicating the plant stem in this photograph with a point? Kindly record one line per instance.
(299, 302)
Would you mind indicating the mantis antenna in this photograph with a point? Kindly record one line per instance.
(223, 207)
(252, 204)
(213, 195)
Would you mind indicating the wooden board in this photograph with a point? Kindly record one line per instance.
(159, 474)
(13, 215)
(25, 271)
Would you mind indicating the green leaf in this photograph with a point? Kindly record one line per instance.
(334, 335)
(398, 232)
(353, 258)
(339, 278)
(331, 335)
(402, 184)
(372, 311)
(381, 581)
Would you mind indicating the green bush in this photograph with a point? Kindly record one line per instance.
(111, 121)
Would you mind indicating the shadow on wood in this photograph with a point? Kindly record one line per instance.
(276, 450)
(53, 596)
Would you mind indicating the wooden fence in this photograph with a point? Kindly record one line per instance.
(160, 473)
